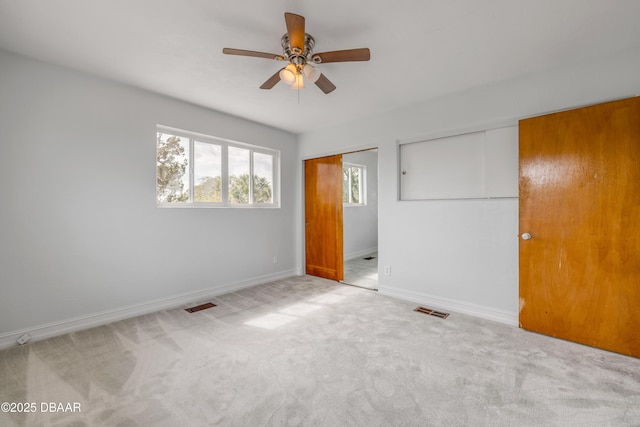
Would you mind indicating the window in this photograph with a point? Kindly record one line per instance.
(196, 170)
(354, 184)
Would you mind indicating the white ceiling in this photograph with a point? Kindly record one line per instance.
(420, 49)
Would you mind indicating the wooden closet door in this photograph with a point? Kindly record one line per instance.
(323, 217)
(580, 202)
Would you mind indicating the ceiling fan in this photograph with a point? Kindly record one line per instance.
(297, 47)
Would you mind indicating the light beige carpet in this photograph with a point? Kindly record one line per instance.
(310, 352)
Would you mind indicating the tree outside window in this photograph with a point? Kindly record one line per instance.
(172, 160)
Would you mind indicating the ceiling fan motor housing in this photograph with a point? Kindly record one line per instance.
(295, 55)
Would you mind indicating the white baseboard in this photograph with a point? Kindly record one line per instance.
(358, 254)
(66, 326)
(484, 312)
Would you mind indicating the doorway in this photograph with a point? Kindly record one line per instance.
(360, 218)
(341, 218)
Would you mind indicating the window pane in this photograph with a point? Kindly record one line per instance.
(345, 185)
(262, 178)
(239, 163)
(172, 179)
(207, 161)
(355, 185)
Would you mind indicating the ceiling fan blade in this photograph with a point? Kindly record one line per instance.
(242, 52)
(325, 84)
(271, 81)
(362, 54)
(295, 28)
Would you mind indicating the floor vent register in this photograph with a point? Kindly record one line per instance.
(200, 307)
(431, 312)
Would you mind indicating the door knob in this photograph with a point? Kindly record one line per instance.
(526, 236)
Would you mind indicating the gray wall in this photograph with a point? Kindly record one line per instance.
(462, 255)
(81, 238)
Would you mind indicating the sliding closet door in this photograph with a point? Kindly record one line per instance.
(580, 225)
(323, 217)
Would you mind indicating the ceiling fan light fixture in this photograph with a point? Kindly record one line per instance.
(311, 73)
(299, 83)
(288, 74)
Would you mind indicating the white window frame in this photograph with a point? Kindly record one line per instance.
(224, 172)
(362, 187)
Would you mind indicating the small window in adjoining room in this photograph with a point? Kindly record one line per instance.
(194, 170)
(354, 184)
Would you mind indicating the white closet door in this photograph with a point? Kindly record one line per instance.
(468, 166)
(501, 162)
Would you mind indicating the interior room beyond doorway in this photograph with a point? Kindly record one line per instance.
(360, 218)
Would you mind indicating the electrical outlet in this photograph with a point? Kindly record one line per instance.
(23, 339)
(387, 270)
(275, 259)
